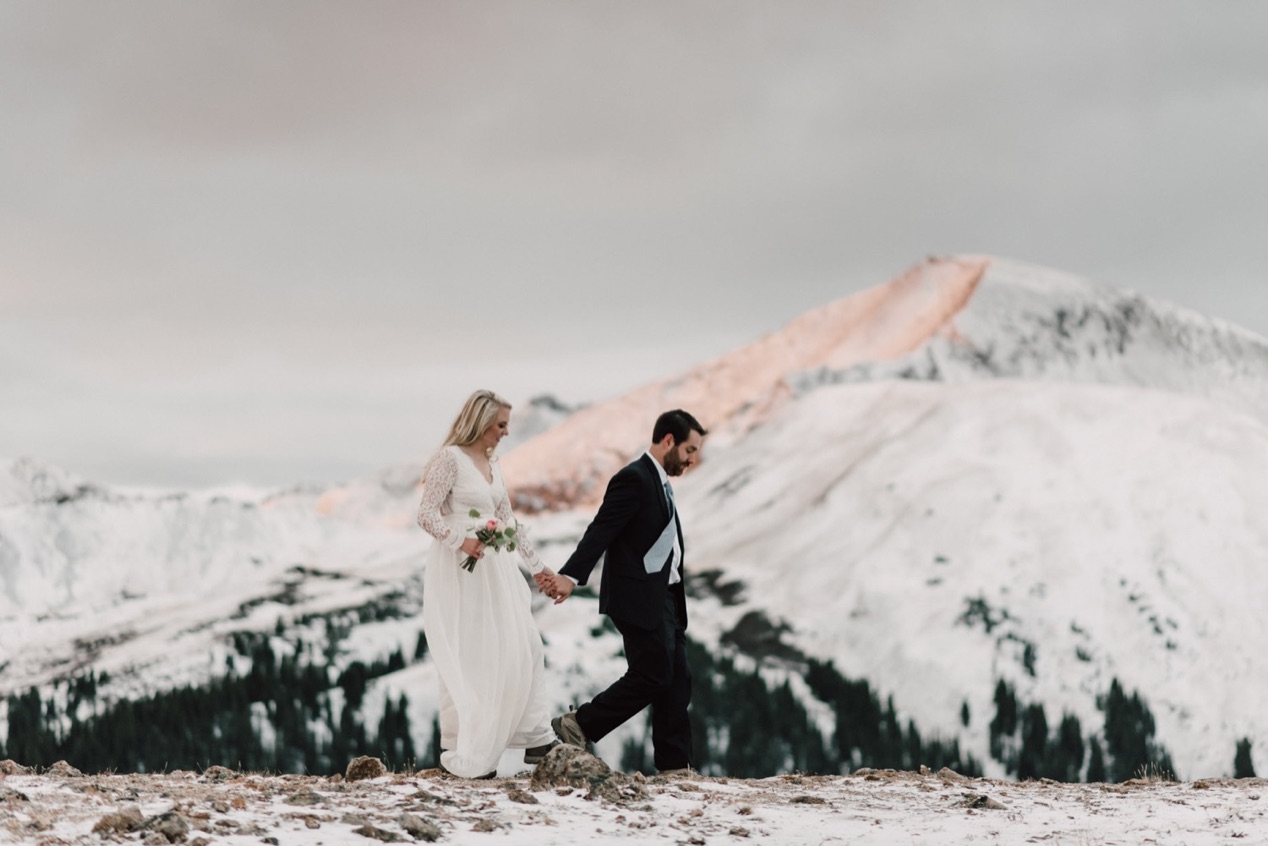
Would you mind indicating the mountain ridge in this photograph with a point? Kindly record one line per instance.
(568, 464)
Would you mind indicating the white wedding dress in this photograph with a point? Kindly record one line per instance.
(479, 625)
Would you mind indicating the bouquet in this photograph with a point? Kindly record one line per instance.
(490, 533)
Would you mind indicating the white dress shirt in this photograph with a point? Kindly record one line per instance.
(675, 558)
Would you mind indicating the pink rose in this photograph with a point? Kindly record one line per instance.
(492, 525)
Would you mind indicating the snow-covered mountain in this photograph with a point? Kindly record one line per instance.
(952, 320)
(569, 464)
(935, 539)
(1027, 323)
(1031, 477)
(980, 471)
(145, 586)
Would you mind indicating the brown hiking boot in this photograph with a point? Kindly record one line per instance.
(569, 730)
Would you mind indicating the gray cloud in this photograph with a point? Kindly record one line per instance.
(235, 237)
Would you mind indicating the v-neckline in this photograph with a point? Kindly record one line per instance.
(475, 467)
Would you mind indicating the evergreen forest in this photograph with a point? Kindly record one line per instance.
(291, 714)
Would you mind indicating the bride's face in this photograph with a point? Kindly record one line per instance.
(498, 429)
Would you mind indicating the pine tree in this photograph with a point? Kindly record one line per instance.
(1096, 763)
(912, 747)
(394, 740)
(1003, 725)
(353, 681)
(433, 748)
(353, 736)
(1067, 754)
(1129, 730)
(858, 735)
(891, 752)
(1032, 762)
(1243, 767)
(752, 750)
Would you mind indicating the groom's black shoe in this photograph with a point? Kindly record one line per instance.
(534, 754)
(569, 731)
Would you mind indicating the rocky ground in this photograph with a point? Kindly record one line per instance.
(573, 798)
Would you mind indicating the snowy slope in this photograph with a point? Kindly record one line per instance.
(146, 585)
(1117, 531)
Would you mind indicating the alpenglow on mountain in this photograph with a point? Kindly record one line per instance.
(1008, 505)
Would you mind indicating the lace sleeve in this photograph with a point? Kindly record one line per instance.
(438, 479)
(523, 544)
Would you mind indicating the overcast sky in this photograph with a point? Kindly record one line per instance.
(281, 242)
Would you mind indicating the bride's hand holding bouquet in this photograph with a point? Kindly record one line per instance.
(492, 533)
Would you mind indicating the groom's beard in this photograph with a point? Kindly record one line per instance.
(674, 465)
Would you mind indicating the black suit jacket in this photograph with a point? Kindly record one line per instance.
(633, 515)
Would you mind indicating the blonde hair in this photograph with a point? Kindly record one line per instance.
(478, 414)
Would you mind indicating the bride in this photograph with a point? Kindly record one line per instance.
(478, 622)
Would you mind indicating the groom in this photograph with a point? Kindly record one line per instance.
(642, 592)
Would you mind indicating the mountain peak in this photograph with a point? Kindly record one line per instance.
(946, 319)
(569, 463)
(27, 480)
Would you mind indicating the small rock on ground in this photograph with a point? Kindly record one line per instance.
(979, 802)
(419, 828)
(122, 822)
(376, 833)
(171, 826)
(218, 773)
(363, 768)
(568, 766)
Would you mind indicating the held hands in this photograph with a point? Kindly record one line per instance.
(563, 588)
(548, 582)
(545, 579)
(553, 585)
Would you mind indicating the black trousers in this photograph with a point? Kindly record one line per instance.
(658, 676)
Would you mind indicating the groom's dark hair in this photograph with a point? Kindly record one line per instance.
(677, 423)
